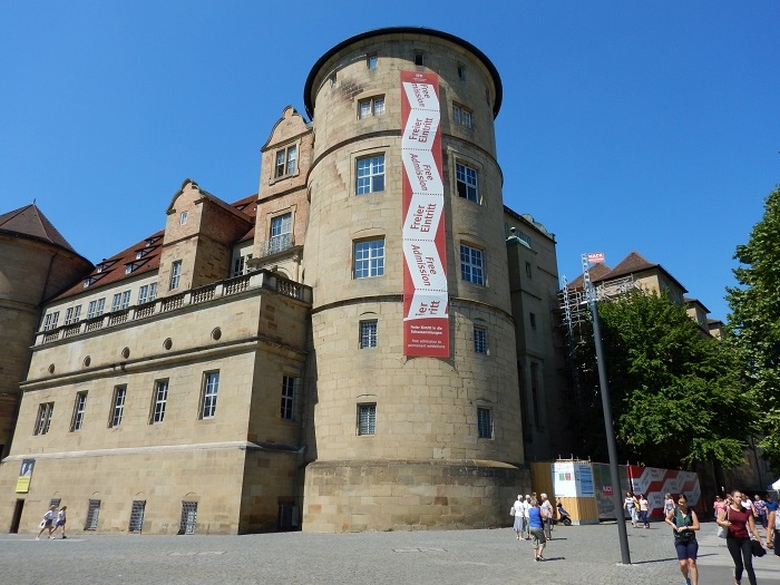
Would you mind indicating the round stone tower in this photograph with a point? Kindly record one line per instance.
(416, 405)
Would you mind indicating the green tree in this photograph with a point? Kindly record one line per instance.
(669, 385)
(755, 323)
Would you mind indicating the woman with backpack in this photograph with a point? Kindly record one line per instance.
(685, 524)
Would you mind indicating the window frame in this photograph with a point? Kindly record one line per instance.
(209, 392)
(96, 308)
(368, 333)
(462, 115)
(118, 406)
(481, 340)
(147, 293)
(289, 387)
(176, 270)
(469, 270)
(72, 314)
(370, 174)
(365, 263)
(43, 418)
(159, 401)
(276, 232)
(376, 106)
(79, 410)
(484, 417)
(286, 161)
(465, 187)
(366, 419)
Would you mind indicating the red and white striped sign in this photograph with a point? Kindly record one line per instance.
(426, 318)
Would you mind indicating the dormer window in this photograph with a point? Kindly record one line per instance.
(129, 268)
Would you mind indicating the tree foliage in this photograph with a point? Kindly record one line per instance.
(755, 322)
(670, 386)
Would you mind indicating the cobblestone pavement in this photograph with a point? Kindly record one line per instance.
(577, 554)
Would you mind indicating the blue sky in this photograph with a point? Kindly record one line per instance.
(625, 125)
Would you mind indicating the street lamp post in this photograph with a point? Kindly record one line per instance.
(607, 408)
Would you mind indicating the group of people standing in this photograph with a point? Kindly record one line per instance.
(534, 517)
(52, 520)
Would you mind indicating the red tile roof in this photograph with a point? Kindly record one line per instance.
(144, 256)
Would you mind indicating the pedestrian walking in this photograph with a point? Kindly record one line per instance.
(60, 522)
(536, 522)
(761, 513)
(526, 507)
(668, 504)
(685, 522)
(739, 522)
(47, 522)
(644, 510)
(630, 505)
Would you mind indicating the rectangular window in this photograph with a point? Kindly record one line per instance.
(367, 334)
(159, 400)
(95, 308)
(480, 340)
(281, 233)
(532, 320)
(369, 258)
(147, 293)
(471, 265)
(175, 275)
(374, 106)
(42, 422)
(285, 161)
(118, 406)
(183, 218)
(366, 423)
(72, 315)
(50, 321)
(462, 116)
(79, 408)
(467, 182)
(371, 61)
(528, 270)
(371, 174)
(93, 511)
(121, 301)
(419, 58)
(461, 72)
(485, 423)
(137, 516)
(288, 398)
(240, 265)
(210, 389)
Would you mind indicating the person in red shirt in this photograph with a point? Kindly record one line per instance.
(740, 524)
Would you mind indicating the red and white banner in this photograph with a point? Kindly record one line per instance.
(653, 483)
(426, 318)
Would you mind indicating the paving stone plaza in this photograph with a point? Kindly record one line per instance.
(577, 554)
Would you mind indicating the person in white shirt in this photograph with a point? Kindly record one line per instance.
(46, 523)
(547, 508)
(61, 520)
(518, 511)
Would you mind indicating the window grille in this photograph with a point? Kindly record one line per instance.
(137, 515)
(189, 514)
(92, 515)
(485, 423)
(480, 340)
(366, 419)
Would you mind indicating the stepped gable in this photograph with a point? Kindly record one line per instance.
(28, 221)
(144, 256)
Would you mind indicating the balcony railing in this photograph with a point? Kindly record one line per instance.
(262, 279)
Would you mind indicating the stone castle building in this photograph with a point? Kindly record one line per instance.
(366, 344)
